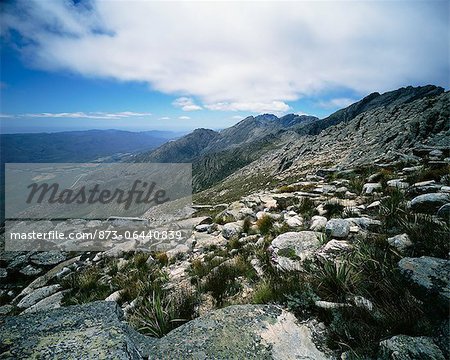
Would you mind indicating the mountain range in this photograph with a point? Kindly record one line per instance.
(79, 146)
(266, 147)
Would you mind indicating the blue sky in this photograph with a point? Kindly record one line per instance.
(153, 65)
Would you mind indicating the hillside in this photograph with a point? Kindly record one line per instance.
(314, 239)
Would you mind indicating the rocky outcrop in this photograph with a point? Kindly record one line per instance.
(96, 330)
(429, 276)
(243, 332)
(404, 347)
(93, 330)
(290, 249)
(429, 203)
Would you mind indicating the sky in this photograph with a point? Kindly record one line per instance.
(154, 65)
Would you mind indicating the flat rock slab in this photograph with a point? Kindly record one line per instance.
(48, 258)
(91, 331)
(242, 332)
(404, 347)
(429, 276)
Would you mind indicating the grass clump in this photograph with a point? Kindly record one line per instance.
(85, 286)
(222, 282)
(333, 209)
(265, 224)
(427, 174)
(161, 312)
(307, 208)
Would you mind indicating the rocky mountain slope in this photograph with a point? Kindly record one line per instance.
(388, 132)
(325, 246)
(216, 155)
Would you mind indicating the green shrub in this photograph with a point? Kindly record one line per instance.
(427, 174)
(356, 185)
(162, 258)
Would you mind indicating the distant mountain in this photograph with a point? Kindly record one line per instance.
(77, 146)
(185, 149)
(217, 155)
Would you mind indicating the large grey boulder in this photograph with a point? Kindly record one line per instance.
(402, 347)
(243, 332)
(429, 203)
(290, 249)
(232, 229)
(91, 331)
(337, 228)
(429, 276)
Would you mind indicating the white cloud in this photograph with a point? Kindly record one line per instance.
(250, 56)
(237, 117)
(164, 118)
(6, 116)
(277, 107)
(84, 115)
(184, 118)
(186, 104)
(336, 103)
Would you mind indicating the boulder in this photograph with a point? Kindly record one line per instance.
(38, 295)
(290, 249)
(370, 188)
(429, 203)
(51, 302)
(30, 270)
(334, 248)
(398, 183)
(232, 229)
(400, 242)
(243, 332)
(93, 330)
(337, 228)
(365, 223)
(294, 221)
(402, 347)
(429, 276)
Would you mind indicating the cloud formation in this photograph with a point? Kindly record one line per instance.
(184, 118)
(250, 56)
(80, 115)
(186, 104)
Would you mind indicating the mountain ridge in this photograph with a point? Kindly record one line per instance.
(250, 139)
